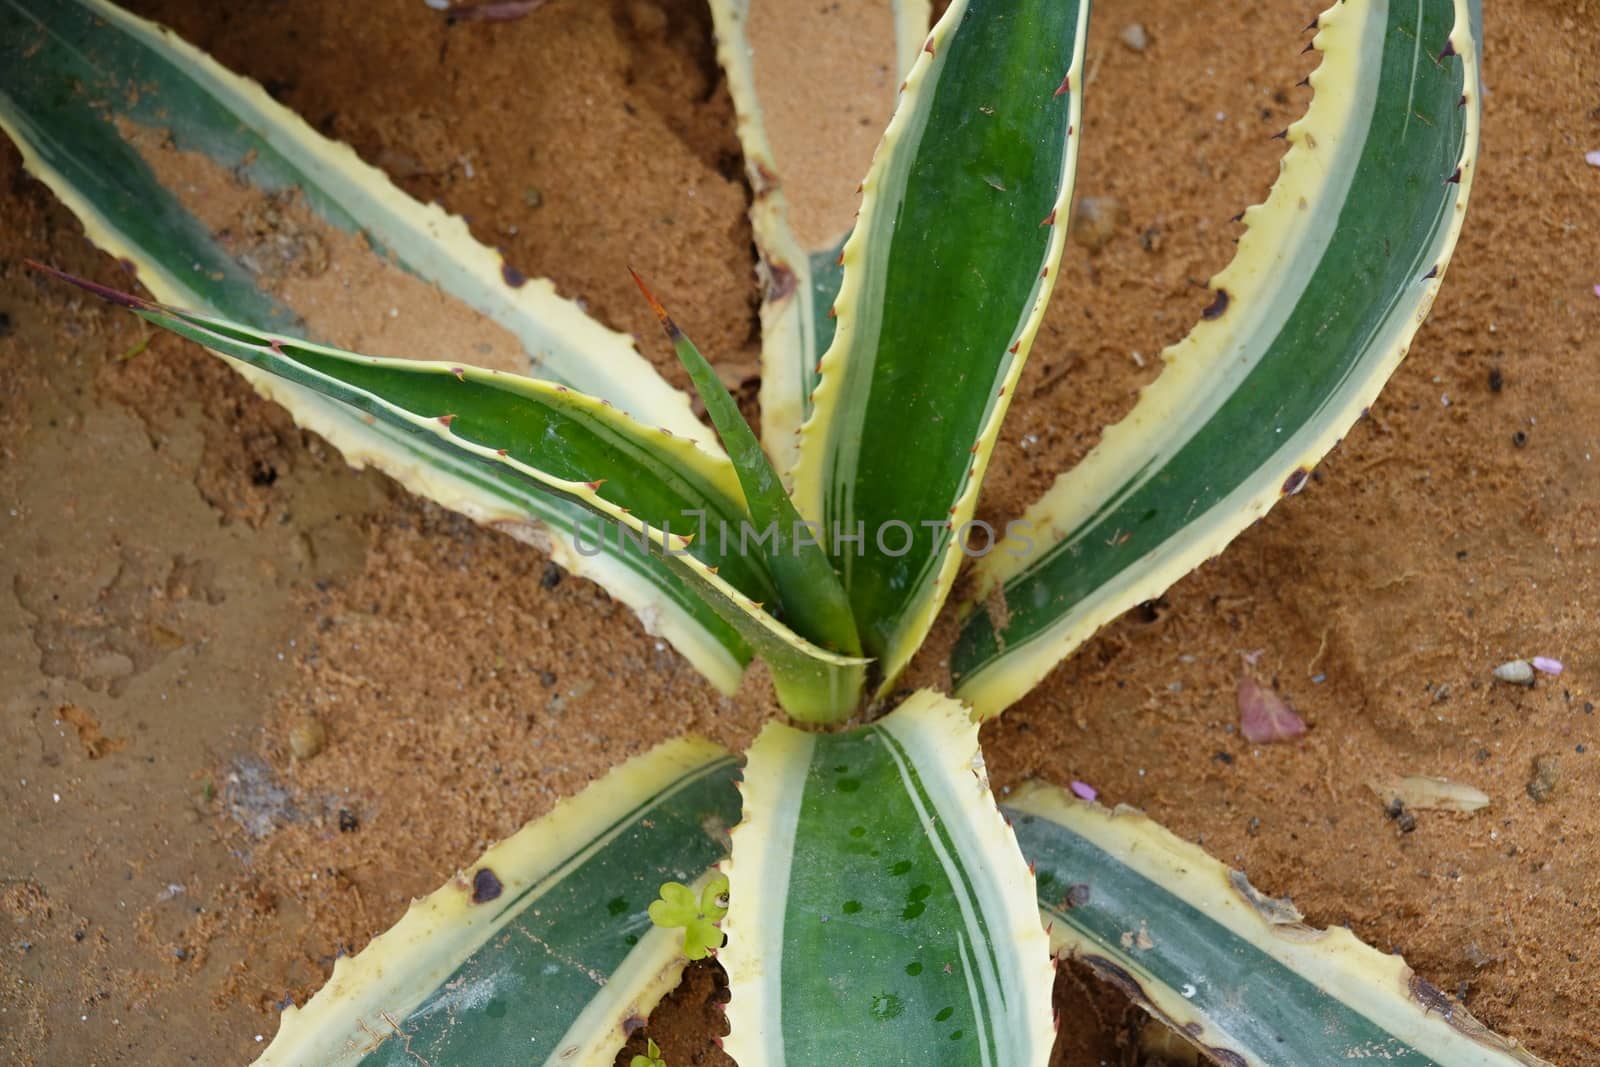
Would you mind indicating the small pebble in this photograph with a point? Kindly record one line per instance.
(1546, 776)
(1134, 36)
(307, 737)
(1095, 221)
(1516, 671)
(1407, 822)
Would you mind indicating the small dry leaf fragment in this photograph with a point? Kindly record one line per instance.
(1263, 716)
(1422, 793)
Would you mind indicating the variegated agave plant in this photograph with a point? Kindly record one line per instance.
(881, 908)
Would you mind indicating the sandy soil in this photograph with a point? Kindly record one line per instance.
(185, 577)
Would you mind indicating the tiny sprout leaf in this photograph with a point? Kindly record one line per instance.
(698, 917)
(814, 601)
(652, 1056)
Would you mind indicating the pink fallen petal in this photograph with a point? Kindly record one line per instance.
(1264, 717)
(1546, 665)
(1597, 290)
(494, 11)
(1592, 158)
(1083, 790)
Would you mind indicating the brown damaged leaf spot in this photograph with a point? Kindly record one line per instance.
(485, 886)
(1217, 306)
(766, 182)
(1275, 911)
(780, 282)
(1116, 975)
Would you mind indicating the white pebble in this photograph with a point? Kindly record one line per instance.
(1517, 672)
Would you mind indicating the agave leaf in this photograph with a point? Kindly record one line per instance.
(542, 950)
(813, 600)
(523, 441)
(1233, 971)
(878, 909)
(806, 128)
(71, 69)
(945, 280)
(81, 82)
(1335, 273)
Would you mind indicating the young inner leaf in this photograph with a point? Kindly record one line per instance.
(814, 602)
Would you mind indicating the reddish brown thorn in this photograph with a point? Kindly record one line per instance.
(1237, 218)
(1069, 129)
(1281, 135)
(927, 46)
(1050, 219)
(1463, 101)
(713, 570)
(1449, 49)
(460, 373)
(562, 389)
(595, 485)
(833, 312)
(1304, 83)
(655, 305)
(1045, 273)
(1310, 26)
(840, 261)
(446, 420)
(276, 346)
(1066, 85)
(902, 87)
(104, 292)
(1002, 391)
(1310, 46)
(1455, 177)
(1013, 349)
(973, 450)
(501, 452)
(1217, 307)
(1433, 272)
(513, 277)
(1296, 481)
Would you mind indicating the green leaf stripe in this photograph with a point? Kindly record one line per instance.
(878, 912)
(1231, 970)
(945, 277)
(540, 951)
(1337, 270)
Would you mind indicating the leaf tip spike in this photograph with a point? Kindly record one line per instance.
(655, 305)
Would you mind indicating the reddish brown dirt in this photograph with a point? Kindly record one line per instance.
(187, 576)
